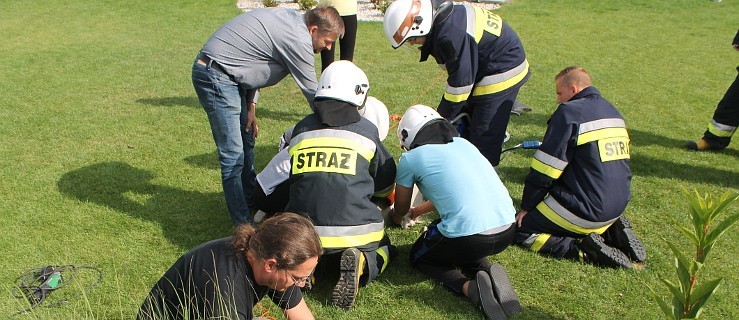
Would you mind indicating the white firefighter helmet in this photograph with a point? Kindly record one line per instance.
(376, 112)
(406, 19)
(413, 120)
(343, 81)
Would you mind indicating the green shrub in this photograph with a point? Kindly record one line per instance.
(688, 297)
(270, 3)
(381, 5)
(306, 4)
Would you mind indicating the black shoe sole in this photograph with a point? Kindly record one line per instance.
(624, 239)
(599, 253)
(489, 305)
(345, 291)
(504, 291)
(636, 249)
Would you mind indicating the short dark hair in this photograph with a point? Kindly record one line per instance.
(289, 238)
(327, 19)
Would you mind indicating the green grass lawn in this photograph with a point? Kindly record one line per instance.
(107, 159)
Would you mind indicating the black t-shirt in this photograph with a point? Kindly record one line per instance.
(211, 281)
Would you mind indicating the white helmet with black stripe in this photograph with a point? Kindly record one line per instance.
(343, 81)
(414, 119)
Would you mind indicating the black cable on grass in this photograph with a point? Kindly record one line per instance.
(36, 284)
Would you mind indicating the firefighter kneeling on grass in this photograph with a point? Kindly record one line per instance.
(338, 163)
(579, 184)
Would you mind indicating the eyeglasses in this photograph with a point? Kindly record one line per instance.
(298, 281)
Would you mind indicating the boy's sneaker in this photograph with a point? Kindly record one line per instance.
(621, 236)
(504, 292)
(480, 291)
(350, 268)
(593, 249)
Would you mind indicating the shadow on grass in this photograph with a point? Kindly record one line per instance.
(645, 138)
(647, 166)
(262, 155)
(192, 101)
(205, 160)
(187, 218)
(513, 173)
(290, 117)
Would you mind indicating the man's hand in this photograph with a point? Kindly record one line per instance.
(397, 218)
(251, 120)
(519, 217)
(408, 221)
(404, 221)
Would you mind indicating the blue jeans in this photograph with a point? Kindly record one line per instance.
(222, 100)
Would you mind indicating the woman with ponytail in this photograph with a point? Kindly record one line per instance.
(225, 278)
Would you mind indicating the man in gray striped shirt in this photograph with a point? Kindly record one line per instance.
(255, 50)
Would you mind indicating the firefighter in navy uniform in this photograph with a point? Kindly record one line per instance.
(338, 163)
(482, 54)
(725, 119)
(579, 184)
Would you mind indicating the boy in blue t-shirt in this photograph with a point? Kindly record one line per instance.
(476, 212)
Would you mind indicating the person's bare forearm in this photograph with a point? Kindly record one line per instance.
(299, 312)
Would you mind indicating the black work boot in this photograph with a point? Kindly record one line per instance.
(702, 145)
(621, 236)
(595, 251)
(480, 291)
(346, 289)
(504, 291)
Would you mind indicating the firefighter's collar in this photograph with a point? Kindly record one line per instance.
(336, 113)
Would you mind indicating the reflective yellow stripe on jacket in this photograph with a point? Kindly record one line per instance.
(350, 236)
(611, 135)
(562, 217)
(501, 81)
(547, 164)
(601, 129)
(479, 21)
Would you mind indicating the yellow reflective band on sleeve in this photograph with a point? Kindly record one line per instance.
(611, 149)
(486, 21)
(569, 226)
(720, 130)
(456, 97)
(601, 134)
(385, 259)
(545, 169)
(332, 242)
(539, 242)
(500, 86)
